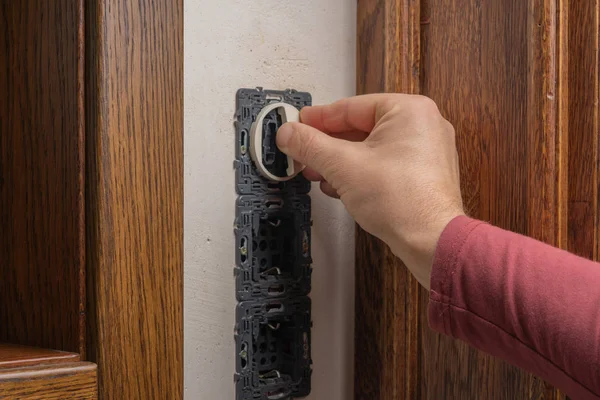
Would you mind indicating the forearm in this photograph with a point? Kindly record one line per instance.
(526, 302)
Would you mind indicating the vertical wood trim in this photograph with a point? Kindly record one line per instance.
(562, 139)
(81, 177)
(134, 197)
(410, 16)
(596, 127)
(387, 339)
(583, 141)
(542, 121)
(548, 130)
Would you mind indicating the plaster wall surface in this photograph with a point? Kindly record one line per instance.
(306, 45)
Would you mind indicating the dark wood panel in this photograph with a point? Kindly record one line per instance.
(492, 69)
(41, 174)
(134, 196)
(583, 128)
(14, 356)
(50, 382)
(498, 71)
(387, 296)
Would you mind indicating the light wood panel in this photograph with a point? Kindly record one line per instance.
(134, 196)
(42, 241)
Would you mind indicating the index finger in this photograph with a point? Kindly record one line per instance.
(358, 113)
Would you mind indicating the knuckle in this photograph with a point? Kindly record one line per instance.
(390, 103)
(425, 104)
(448, 127)
(384, 107)
(419, 108)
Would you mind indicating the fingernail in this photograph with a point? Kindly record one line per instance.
(284, 135)
(303, 111)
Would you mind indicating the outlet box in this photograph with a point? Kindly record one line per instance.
(273, 348)
(273, 260)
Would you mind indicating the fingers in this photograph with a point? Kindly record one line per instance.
(313, 148)
(329, 190)
(359, 113)
(352, 136)
(326, 187)
(312, 175)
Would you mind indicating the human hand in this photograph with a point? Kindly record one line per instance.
(391, 159)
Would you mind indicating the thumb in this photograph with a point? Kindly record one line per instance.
(311, 147)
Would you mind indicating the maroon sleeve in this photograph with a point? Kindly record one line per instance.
(515, 298)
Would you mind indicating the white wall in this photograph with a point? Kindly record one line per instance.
(308, 45)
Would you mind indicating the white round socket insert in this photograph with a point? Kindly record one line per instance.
(288, 113)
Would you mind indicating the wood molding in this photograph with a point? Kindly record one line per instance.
(583, 141)
(42, 241)
(61, 381)
(134, 197)
(387, 296)
(15, 356)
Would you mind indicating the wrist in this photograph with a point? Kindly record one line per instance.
(416, 247)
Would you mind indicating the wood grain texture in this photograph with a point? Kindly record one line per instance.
(505, 110)
(15, 356)
(387, 296)
(41, 174)
(583, 128)
(75, 381)
(134, 197)
(499, 72)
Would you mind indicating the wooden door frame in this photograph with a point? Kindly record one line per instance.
(134, 196)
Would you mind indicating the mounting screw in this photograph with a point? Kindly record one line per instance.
(305, 243)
